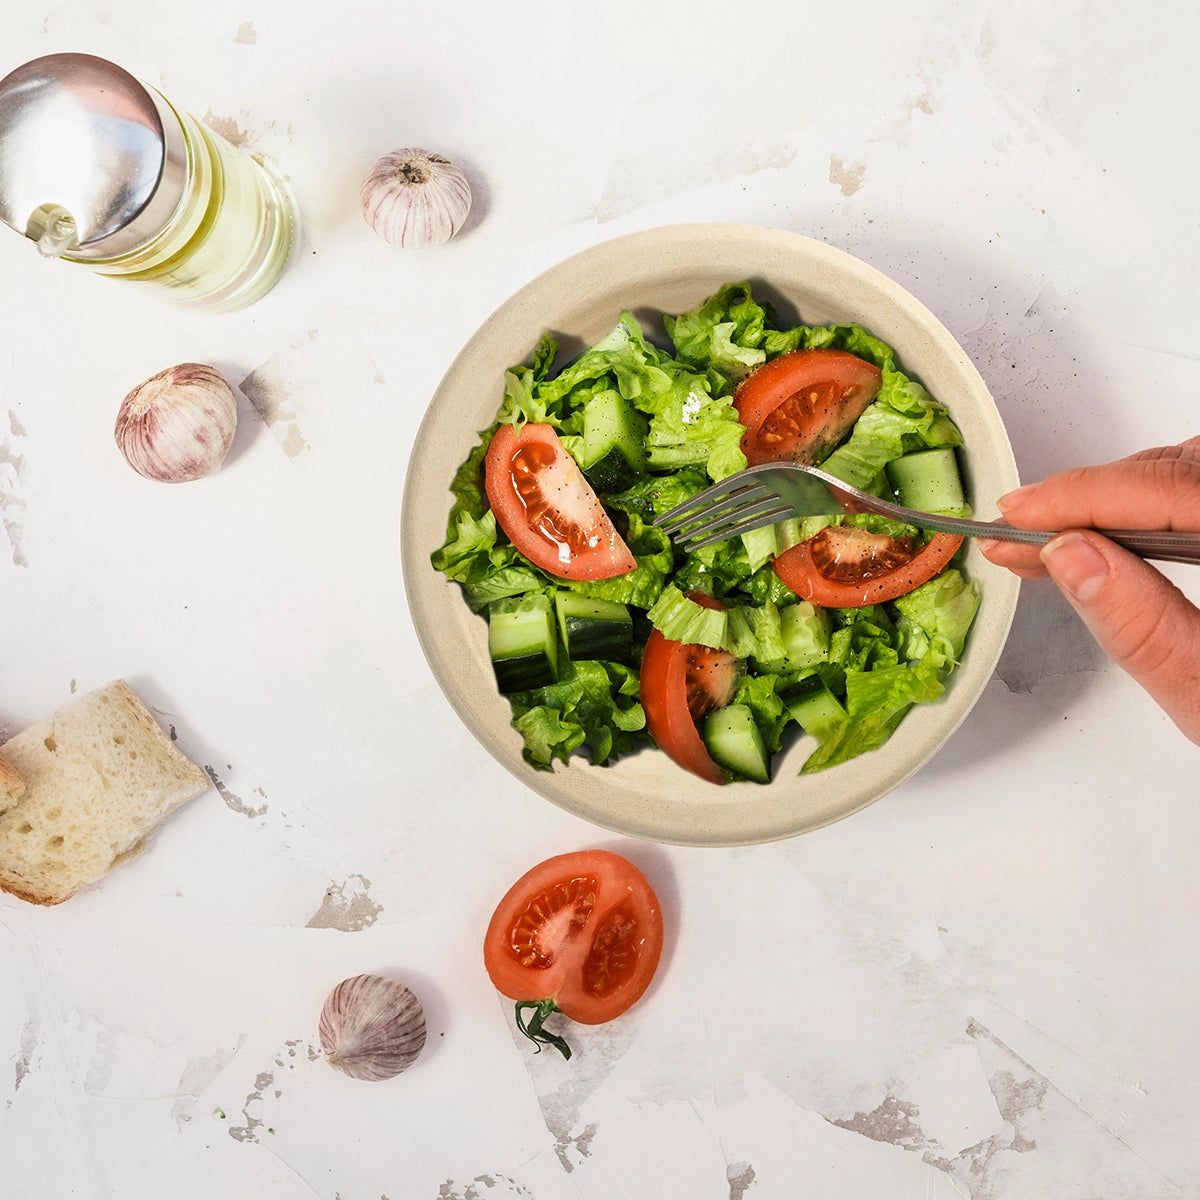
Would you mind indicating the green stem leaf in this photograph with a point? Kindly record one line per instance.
(531, 1025)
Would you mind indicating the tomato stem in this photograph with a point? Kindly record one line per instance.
(531, 1026)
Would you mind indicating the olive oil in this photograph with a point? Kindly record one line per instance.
(229, 238)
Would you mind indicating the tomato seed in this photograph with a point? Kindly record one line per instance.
(852, 555)
(526, 468)
(614, 954)
(564, 910)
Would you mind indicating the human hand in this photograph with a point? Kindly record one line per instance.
(1141, 620)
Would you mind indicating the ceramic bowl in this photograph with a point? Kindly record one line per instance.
(670, 270)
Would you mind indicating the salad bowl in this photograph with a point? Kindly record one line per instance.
(662, 271)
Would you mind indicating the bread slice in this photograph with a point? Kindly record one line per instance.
(11, 784)
(100, 775)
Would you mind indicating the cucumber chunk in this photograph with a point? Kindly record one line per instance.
(590, 628)
(806, 631)
(523, 643)
(813, 706)
(614, 442)
(735, 742)
(928, 480)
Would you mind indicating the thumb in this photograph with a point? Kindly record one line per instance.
(1140, 619)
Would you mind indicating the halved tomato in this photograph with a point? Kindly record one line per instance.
(847, 567)
(800, 405)
(579, 934)
(681, 682)
(547, 508)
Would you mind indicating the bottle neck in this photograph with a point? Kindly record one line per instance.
(165, 201)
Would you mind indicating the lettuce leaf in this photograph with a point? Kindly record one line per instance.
(725, 334)
(690, 427)
(594, 706)
(876, 702)
(936, 617)
(761, 694)
(680, 619)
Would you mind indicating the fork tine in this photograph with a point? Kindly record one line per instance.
(707, 537)
(741, 520)
(711, 503)
(727, 508)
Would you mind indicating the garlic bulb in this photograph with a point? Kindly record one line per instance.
(372, 1027)
(179, 424)
(415, 198)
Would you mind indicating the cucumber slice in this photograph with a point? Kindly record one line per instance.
(594, 628)
(523, 643)
(814, 706)
(928, 481)
(736, 743)
(614, 442)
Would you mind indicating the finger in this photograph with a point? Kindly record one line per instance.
(1021, 560)
(1141, 620)
(1187, 449)
(1154, 489)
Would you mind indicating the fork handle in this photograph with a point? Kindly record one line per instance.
(1161, 545)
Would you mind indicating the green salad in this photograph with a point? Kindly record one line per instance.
(606, 638)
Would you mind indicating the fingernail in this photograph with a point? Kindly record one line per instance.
(1013, 498)
(1075, 565)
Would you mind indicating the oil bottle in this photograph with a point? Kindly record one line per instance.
(101, 169)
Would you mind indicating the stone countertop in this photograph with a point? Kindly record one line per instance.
(982, 986)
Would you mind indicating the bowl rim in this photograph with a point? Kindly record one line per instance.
(644, 795)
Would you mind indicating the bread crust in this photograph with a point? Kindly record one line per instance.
(12, 786)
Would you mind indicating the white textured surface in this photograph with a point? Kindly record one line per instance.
(983, 986)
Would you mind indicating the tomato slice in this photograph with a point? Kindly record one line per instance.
(847, 567)
(547, 508)
(681, 682)
(800, 405)
(580, 934)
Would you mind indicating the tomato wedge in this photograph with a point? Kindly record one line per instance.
(847, 567)
(580, 934)
(547, 508)
(800, 405)
(680, 682)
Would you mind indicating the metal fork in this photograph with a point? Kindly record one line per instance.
(774, 492)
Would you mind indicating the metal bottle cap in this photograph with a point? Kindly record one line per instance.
(92, 162)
